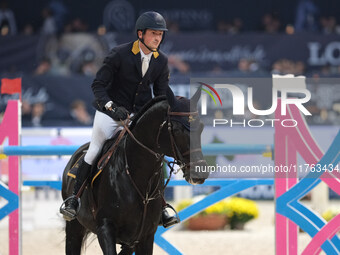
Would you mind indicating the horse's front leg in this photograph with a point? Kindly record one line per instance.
(145, 247)
(75, 233)
(106, 234)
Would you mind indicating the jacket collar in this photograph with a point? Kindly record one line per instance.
(135, 49)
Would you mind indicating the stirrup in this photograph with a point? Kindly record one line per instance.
(67, 214)
(175, 218)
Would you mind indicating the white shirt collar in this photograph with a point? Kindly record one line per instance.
(142, 54)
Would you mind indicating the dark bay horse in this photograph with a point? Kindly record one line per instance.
(127, 194)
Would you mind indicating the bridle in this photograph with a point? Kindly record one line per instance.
(178, 159)
(178, 156)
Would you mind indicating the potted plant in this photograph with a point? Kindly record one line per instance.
(243, 210)
(234, 211)
(215, 217)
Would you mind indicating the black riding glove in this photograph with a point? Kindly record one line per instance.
(119, 113)
(115, 112)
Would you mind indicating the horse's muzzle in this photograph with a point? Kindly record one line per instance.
(198, 172)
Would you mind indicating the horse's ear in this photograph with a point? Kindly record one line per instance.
(171, 97)
(194, 99)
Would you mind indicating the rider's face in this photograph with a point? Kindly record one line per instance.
(152, 38)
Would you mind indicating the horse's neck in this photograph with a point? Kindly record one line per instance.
(142, 162)
(147, 128)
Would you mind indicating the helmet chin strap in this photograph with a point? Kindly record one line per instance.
(142, 41)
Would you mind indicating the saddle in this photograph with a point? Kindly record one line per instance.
(107, 151)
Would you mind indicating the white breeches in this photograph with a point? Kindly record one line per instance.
(103, 127)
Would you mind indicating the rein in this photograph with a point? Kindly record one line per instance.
(176, 152)
(149, 196)
(152, 195)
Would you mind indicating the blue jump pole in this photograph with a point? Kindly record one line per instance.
(210, 149)
(36, 150)
(233, 149)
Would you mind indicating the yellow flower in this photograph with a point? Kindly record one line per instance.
(330, 213)
(243, 209)
(237, 210)
(218, 208)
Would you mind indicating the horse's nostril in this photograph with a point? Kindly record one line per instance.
(199, 171)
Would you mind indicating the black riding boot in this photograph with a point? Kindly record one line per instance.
(71, 203)
(167, 220)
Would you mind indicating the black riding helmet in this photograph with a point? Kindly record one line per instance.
(150, 20)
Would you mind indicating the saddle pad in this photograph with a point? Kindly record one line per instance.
(73, 171)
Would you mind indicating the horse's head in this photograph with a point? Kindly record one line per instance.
(183, 138)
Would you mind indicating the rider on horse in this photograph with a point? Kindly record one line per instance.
(122, 87)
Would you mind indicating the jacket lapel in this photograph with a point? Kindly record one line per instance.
(137, 58)
(138, 62)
